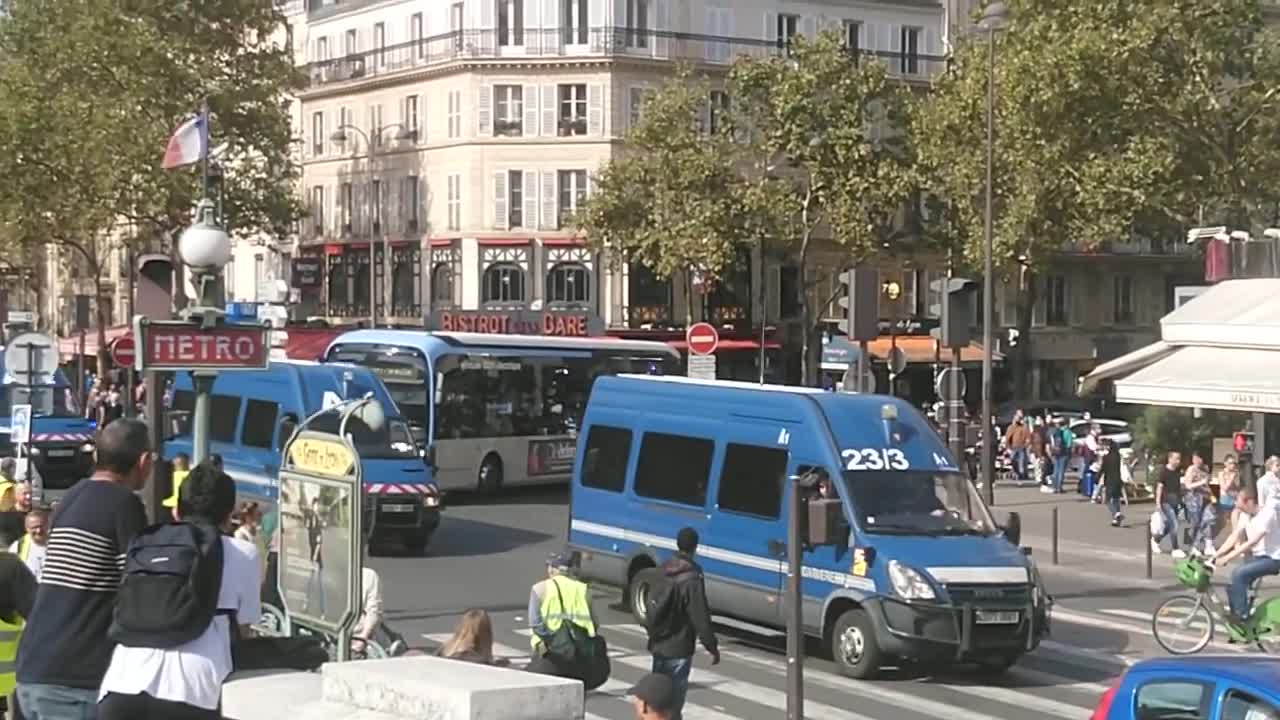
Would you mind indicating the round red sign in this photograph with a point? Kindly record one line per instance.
(702, 338)
(122, 349)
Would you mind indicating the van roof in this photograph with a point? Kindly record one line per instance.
(427, 341)
(728, 384)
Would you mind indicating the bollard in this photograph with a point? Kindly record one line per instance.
(1146, 542)
(1055, 535)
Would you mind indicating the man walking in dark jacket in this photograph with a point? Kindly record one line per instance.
(677, 615)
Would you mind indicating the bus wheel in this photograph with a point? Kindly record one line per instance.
(853, 645)
(489, 481)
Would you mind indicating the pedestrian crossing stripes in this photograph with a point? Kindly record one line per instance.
(750, 683)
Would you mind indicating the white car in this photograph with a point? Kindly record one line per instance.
(1117, 431)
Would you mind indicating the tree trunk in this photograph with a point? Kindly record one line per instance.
(807, 365)
(100, 313)
(1020, 358)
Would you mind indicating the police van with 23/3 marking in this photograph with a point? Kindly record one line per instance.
(910, 565)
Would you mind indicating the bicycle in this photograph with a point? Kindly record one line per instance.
(1201, 611)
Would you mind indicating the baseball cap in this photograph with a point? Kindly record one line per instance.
(656, 690)
(560, 560)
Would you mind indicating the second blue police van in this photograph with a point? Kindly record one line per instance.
(922, 571)
(62, 439)
(256, 411)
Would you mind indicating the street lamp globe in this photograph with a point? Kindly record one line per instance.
(995, 17)
(204, 244)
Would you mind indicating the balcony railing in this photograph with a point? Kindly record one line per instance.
(612, 42)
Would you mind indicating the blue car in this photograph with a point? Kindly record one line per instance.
(1232, 687)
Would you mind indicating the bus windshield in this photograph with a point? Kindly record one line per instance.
(404, 373)
(45, 400)
(918, 503)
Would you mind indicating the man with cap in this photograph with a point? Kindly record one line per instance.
(557, 599)
(654, 697)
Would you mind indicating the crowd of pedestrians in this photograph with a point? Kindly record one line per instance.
(1193, 507)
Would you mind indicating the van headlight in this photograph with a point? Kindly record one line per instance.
(87, 448)
(908, 583)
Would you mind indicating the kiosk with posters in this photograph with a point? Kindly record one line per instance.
(321, 527)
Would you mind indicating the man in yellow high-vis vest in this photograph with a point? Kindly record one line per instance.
(17, 595)
(552, 602)
(32, 547)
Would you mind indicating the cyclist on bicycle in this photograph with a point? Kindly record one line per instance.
(1261, 534)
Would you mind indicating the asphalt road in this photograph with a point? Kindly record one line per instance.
(487, 554)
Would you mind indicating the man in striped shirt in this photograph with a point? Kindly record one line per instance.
(65, 649)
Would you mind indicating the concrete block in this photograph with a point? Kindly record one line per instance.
(267, 694)
(431, 688)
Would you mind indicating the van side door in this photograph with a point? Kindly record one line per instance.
(749, 518)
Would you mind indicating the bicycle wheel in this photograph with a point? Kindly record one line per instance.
(1182, 625)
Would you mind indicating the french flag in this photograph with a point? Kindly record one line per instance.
(189, 143)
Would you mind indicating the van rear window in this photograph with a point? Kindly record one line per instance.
(674, 468)
(223, 418)
(608, 449)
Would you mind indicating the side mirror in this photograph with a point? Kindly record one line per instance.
(1012, 527)
(826, 523)
(428, 455)
(439, 387)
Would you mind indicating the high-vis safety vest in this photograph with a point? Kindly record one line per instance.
(576, 608)
(178, 477)
(10, 632)
(24, 547)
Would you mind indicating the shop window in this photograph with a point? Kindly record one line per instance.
(503, 283)
(568, 284)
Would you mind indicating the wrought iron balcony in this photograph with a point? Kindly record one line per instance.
(610, 42)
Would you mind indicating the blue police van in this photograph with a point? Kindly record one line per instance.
(61, 437)
(256, 411)
(922, 571)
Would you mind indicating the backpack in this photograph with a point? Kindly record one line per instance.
(169, 594)
(1055, 442)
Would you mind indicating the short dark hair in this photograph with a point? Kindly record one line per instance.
(121, 444)
(207, 494)
(687, 540)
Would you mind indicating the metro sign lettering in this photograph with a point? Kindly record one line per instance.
(187, 346)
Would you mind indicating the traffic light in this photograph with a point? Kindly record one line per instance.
(955, 311)
(861, 302)
(1243, 442)
(154, 297)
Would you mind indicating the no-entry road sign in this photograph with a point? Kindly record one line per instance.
(122, 351)
(702, 338)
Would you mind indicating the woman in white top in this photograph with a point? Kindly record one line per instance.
(185, 682)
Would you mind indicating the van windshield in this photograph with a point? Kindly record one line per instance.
(914, 502)
(392, 441)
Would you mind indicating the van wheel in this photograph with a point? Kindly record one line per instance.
(853, 645)
(638, 592)
(489, 480)
(998, 664)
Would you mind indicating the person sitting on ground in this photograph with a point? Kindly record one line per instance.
(472, 641)
(185, 682)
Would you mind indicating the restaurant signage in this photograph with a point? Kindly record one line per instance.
(553, 323)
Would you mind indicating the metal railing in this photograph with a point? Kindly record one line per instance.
(610, 42)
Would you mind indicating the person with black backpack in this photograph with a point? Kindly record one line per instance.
(188, 588)
(677, 615)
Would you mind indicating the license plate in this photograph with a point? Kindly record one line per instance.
(398, 508)
(59, 453)
(996, 617)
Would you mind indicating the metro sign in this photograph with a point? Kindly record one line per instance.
(190, 346)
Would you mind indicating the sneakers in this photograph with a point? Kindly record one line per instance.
(1178, 553)
(1155, 547)
(1047, 489)
(1117, 519)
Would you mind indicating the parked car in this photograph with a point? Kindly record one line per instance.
(1117, 431)
(1229, 687)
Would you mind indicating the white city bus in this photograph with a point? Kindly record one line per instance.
(496, 410)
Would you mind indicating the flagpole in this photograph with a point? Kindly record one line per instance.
(204, 166)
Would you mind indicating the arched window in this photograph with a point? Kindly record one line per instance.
(568, 283)
(503, 283)
(442, 285)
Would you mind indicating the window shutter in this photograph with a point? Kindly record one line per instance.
(712, 28)
(595, 109)
(549, 110)
(771, 27)
(487, 21)
(484, 111)
(530, 22)
(500, 200)
(530, 120)
(662, 26)
(530, 199)
(550, 209)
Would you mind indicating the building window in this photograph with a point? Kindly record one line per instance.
(638, 23)
(751, 480)
(568, 284)
(515, 198)
(853, 38)
(503, 284)
(375, 125)
(573, 18)
(348, 201)
(788, 27)
(415, 35)
(674, 468)
(573, 190)
(455, 113)
(442, 285)
(454, 202)
(411, 116)
(636, 98)
(322, 48)
(719, 110)
(509, 116)
(317, 133)
(375, 198)
(350, 45)
(455, 24)
(317, 208)
(573, 110)
(1122, 300)
(258, 276)
(510, 22)
(380, 42)
(1057, 300)
(344, 122)
(909, 63)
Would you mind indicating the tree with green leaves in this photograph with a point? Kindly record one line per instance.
(90, 93)
(802, 158)
(1114, 119)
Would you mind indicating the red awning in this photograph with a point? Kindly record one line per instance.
(683, 345)
(69, 347)
(309, 343)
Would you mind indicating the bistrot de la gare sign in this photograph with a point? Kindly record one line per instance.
(554, 323)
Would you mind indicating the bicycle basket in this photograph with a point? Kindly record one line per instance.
(1193, 573)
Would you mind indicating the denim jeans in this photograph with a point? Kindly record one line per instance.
(1113, 505)
(57, 702)
(1170, 512)
(1018, 456)
(1238, 590)
(678, 670)
(1060, 471)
